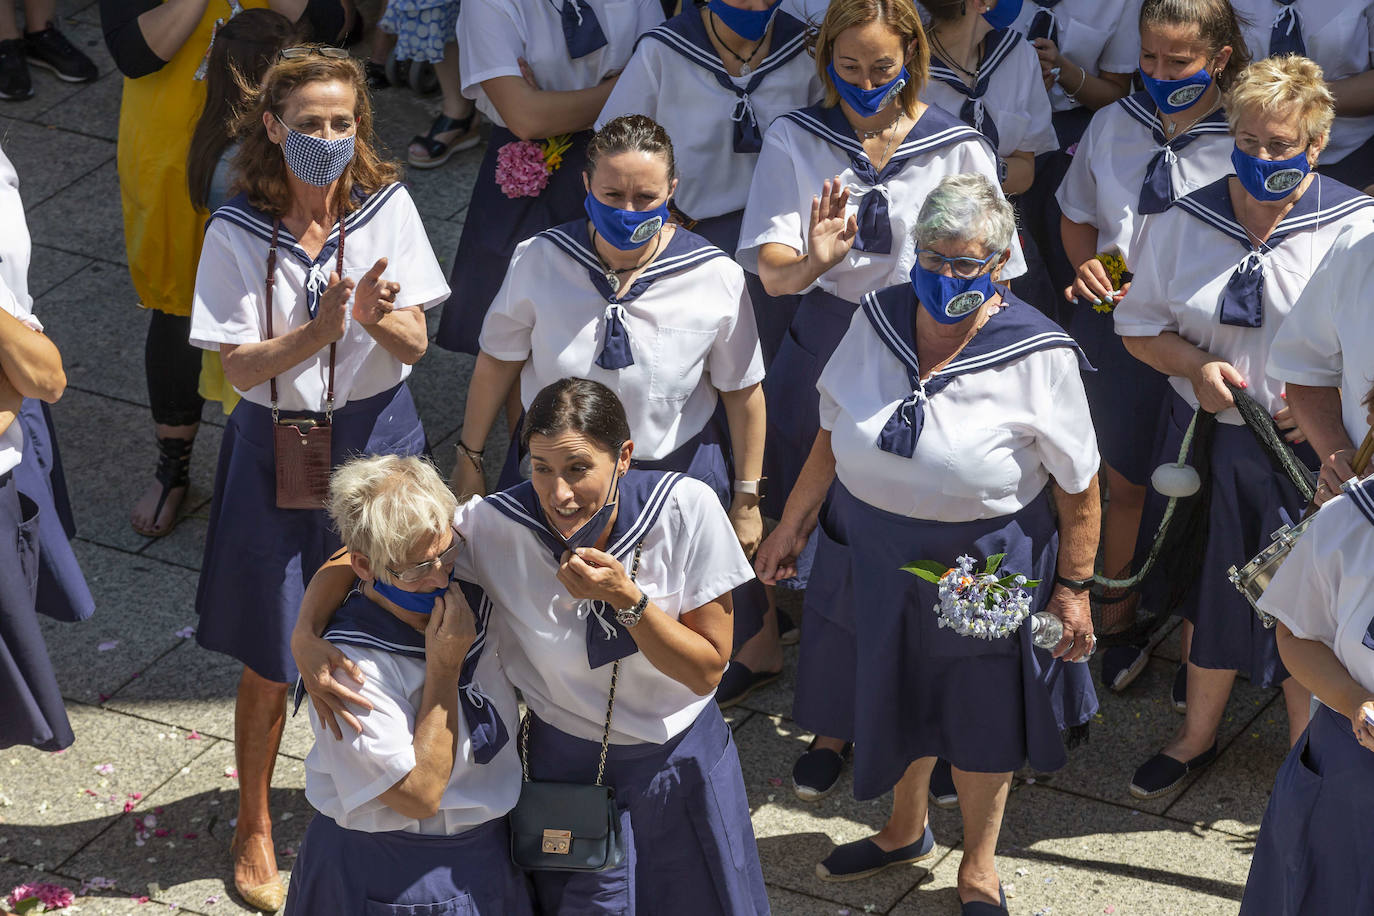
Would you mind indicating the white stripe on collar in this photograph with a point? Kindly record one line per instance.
(1363, 498)
(1230, 227)
(648, 515)
(909, 148)
(878, 318)
(357, 637)
(1214, 123)
(666, 265)
(261, 225)
(987, 67)
(707, 61)
(1003, 354)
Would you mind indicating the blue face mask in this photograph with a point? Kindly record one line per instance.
(1004, 13)
(315, 160)
(1172, 96)
(588, 534)
(867, 102)
(950, 300)
(418, 602)
(747, 24)
(1269, 179)
(625, 229)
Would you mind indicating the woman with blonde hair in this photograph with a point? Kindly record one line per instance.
(312, 288)
(1216, 276)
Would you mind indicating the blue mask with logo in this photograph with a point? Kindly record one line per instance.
(315, 160)
(1269, 179)
(417, 602)
(867, 102)
(950, 300)
(588, 534)
(1004, 13)
(1172, 96)
(625, 229)
(747, 24)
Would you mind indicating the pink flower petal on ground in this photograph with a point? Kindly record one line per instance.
(1109, 909)
(194, 736)
(143, 899)
(212, 900)
(162, 831)
(231, 772)
(107, 645)
(157, 810)
(104, 769)
(128, 806)
(186, 632)
(774, 781)
(136, 795)
(103, 697)
(190, 836)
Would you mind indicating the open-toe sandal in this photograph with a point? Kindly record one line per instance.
(438, 152)
(173, 471)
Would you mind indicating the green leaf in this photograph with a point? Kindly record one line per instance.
(992, 563)
(29, 905)
(928, 570)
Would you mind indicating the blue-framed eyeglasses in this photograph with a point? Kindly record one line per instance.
(965, 268)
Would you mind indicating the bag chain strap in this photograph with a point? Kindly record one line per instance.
(610, 705)
(271, 282)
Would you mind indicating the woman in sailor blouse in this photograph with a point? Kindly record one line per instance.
(1339, 36)
(1136, 157)
(715, 78)
(1312, 855)
(554, 556)
(351, 273)
(411, 808)
(953, 422)
(537, 69)
(1216, 276)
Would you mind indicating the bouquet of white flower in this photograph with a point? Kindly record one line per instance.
(983, 605)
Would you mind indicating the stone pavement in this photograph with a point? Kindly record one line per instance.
(138, 810)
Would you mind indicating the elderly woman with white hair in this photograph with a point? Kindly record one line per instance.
(953, 424)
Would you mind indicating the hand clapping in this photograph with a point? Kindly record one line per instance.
(374, 297)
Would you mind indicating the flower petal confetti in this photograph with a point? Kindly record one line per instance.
(185, 632)
(107, 645)
(104, 769)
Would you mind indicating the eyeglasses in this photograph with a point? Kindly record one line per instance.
(964, 268)
(305, 51)
(420, 570)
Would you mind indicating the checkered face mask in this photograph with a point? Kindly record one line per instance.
(315, 160)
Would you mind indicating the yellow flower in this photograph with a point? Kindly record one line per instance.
(554, 148)
(1104, 307)
(1115, 267)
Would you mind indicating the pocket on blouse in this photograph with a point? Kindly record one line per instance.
(679, 359)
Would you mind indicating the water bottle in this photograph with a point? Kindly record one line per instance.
(1046, 631)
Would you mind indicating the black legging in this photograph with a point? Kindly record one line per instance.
(172, 367)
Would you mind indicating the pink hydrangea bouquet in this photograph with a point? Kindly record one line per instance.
(39, 898)
(983, 605)
(523, 167)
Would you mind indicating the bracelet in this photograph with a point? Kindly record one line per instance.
(1074, 585)
(1081, 83)
(472, 454)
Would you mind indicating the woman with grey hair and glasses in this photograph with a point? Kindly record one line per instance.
(953, 425)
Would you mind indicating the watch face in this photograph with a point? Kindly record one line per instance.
(628, 618)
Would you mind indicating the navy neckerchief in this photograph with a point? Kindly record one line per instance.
(641, 496)
(999, 44)
(238, 211)
(1242, 301)
(1285, 33)
(360, 621)
(1044, 24)
(935, 130)
(581, 29)
(683, 251)
(686, 35)
(1157, 192)
(1015, 331)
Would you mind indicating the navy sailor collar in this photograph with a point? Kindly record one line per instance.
(684, 250)
(933, 130)
(1325, 201)
(1141, 109)
(999, 45)
(239, 212)
(685, 33)
(1361, 493)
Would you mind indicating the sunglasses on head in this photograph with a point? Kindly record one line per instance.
(303, 52)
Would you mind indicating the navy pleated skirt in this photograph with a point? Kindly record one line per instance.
(1250, 498)
(494, 225)
(1317, 840)
(685, 817)
(353, 873)
(772, 314)
(258, 558)
(31, 710)
(1124, 395)
(911, 689)
(62, 590)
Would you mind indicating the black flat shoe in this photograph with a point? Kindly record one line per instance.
(862, 858)
(739, 681)
(1121, 665)
(1162, 774)
(788, 634)
(816, 772)
(979, 908)
(1179, 693)
(942, 791)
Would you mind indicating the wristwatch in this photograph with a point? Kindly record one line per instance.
(1074, 585)
(628, 617)
(750, 487)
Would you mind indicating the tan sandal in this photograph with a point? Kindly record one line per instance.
(268, 897)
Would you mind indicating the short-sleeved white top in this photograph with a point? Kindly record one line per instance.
(1324, 591)
(676, 77)
(1102, 36)
(804, 148)
(688, 318)
(1328, 339)
(15, 246)
(1186, 255)
(690, 557)
(1339, 35)
(1102, 186)
(1012, 95)
(1011, 414)
(495, 34)
(12, 439)
(229, 305)
(343, 779)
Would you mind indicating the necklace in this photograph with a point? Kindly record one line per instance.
(870, 134)
(1174, 128)
(744, 68)
(612, 274)
(887, 147)
(949, 59)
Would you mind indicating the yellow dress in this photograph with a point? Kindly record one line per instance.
(162, 231)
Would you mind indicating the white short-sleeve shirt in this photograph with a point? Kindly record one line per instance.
(229, 305)
(676, 77)
(1328, 339)
(1102, 36)
(495, 34)
(690, 557)
(1012, 95)
(15, 246)
(12, 439)
(1011, 414)
(1324, 591)
(804, 148)
(1102, 185)
(1339, 35)
(1186, 256)
(688, 318)
(343, 779)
